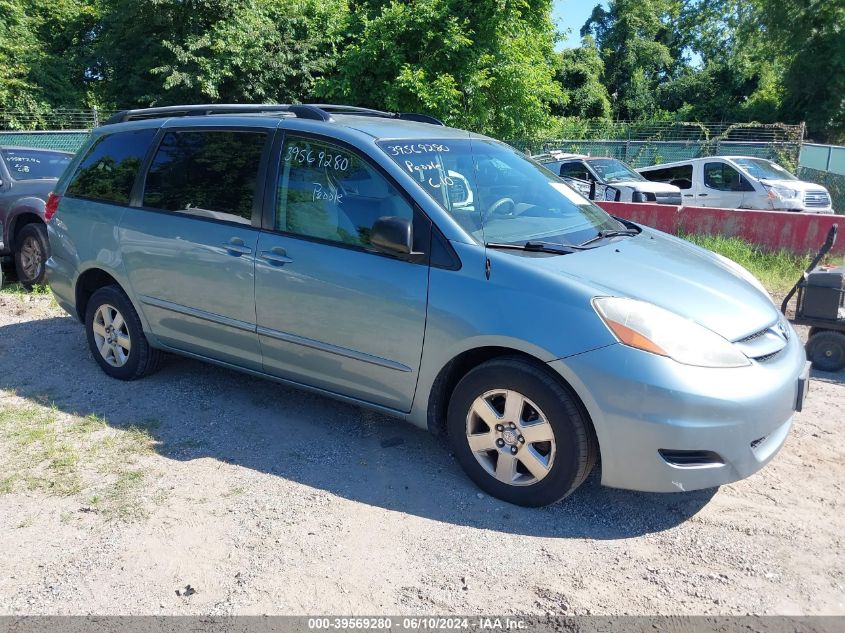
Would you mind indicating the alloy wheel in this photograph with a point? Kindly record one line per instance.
(111, 335)
(31, 257)
(510, 437)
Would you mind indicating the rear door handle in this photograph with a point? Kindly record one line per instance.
(702, 195)
(276, 256)
(236, 247)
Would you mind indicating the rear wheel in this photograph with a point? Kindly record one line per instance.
(116, 337)
(519, 434)
(826, 350)
(31, 252)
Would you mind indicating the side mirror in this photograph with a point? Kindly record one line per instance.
(394, 236)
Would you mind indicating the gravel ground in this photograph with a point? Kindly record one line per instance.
(262, 499)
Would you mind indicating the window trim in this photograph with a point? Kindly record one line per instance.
(270, 200)
(137, 198)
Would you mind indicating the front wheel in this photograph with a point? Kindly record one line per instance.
(519, 434)
(31, 252)
(116, 337)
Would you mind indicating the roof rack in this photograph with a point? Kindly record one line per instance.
(316, 112)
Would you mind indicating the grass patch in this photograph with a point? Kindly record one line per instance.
(16, 288)
(777, 271)
(62, 454)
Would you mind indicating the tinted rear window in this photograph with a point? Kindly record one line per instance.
(109, 168)
(206, 173)
(30, 164)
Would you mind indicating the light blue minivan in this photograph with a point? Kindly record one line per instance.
(430, 273)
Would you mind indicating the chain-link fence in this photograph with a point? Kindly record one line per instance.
(650, 143)
(53, 120)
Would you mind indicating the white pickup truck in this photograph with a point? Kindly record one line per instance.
(602, 178)
(740, 182)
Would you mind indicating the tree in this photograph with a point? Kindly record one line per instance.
(156, 52)
(484, 65)
(640, 49)
(809, 35)
(44, 47)
(579, 74)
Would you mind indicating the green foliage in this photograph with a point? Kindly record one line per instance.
(777, 271)
(44, 46)
(488, 65)
(640, 49)
(484, 65)
(156, 52)
(809, 38)
(579, 73)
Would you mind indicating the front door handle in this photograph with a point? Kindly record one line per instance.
(236, 247)
(702, 195)
(276, 256)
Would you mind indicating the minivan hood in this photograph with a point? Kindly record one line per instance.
(647, 186)
(675, 275)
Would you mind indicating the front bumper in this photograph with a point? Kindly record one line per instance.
(641, 404)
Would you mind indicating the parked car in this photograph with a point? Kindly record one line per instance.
(608, 179)
(741, 182)
(27, 176)
(334, 249)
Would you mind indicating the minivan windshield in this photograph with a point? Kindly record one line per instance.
(763, 169)
(497, 194)
(611, 170)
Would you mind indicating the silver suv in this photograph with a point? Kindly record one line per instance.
(430, 273)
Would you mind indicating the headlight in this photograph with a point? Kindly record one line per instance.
(782, 193)
(646, 327)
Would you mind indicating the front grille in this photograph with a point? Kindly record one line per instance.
(767, 357)
(763, 345)
(691, 459)
(751, 337)
(817, 198)
(669, 198)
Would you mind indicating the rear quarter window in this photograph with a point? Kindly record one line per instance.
(108, 171)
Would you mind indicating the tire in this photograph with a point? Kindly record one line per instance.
(127, 355)
(535, 472)
(31, 252)
(826, 350)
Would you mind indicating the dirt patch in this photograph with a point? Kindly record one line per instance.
(264, 499)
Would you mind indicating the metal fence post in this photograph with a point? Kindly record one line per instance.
(96, 116)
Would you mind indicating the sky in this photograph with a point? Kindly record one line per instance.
(571, 15)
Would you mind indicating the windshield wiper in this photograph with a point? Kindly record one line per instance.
(607, 233)
(537, 247)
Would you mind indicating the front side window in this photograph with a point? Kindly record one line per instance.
(30, 164)
(722, 177)
(497, 194)
(574, 170)
(329, 192)
(108, 171)
(208, 173)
